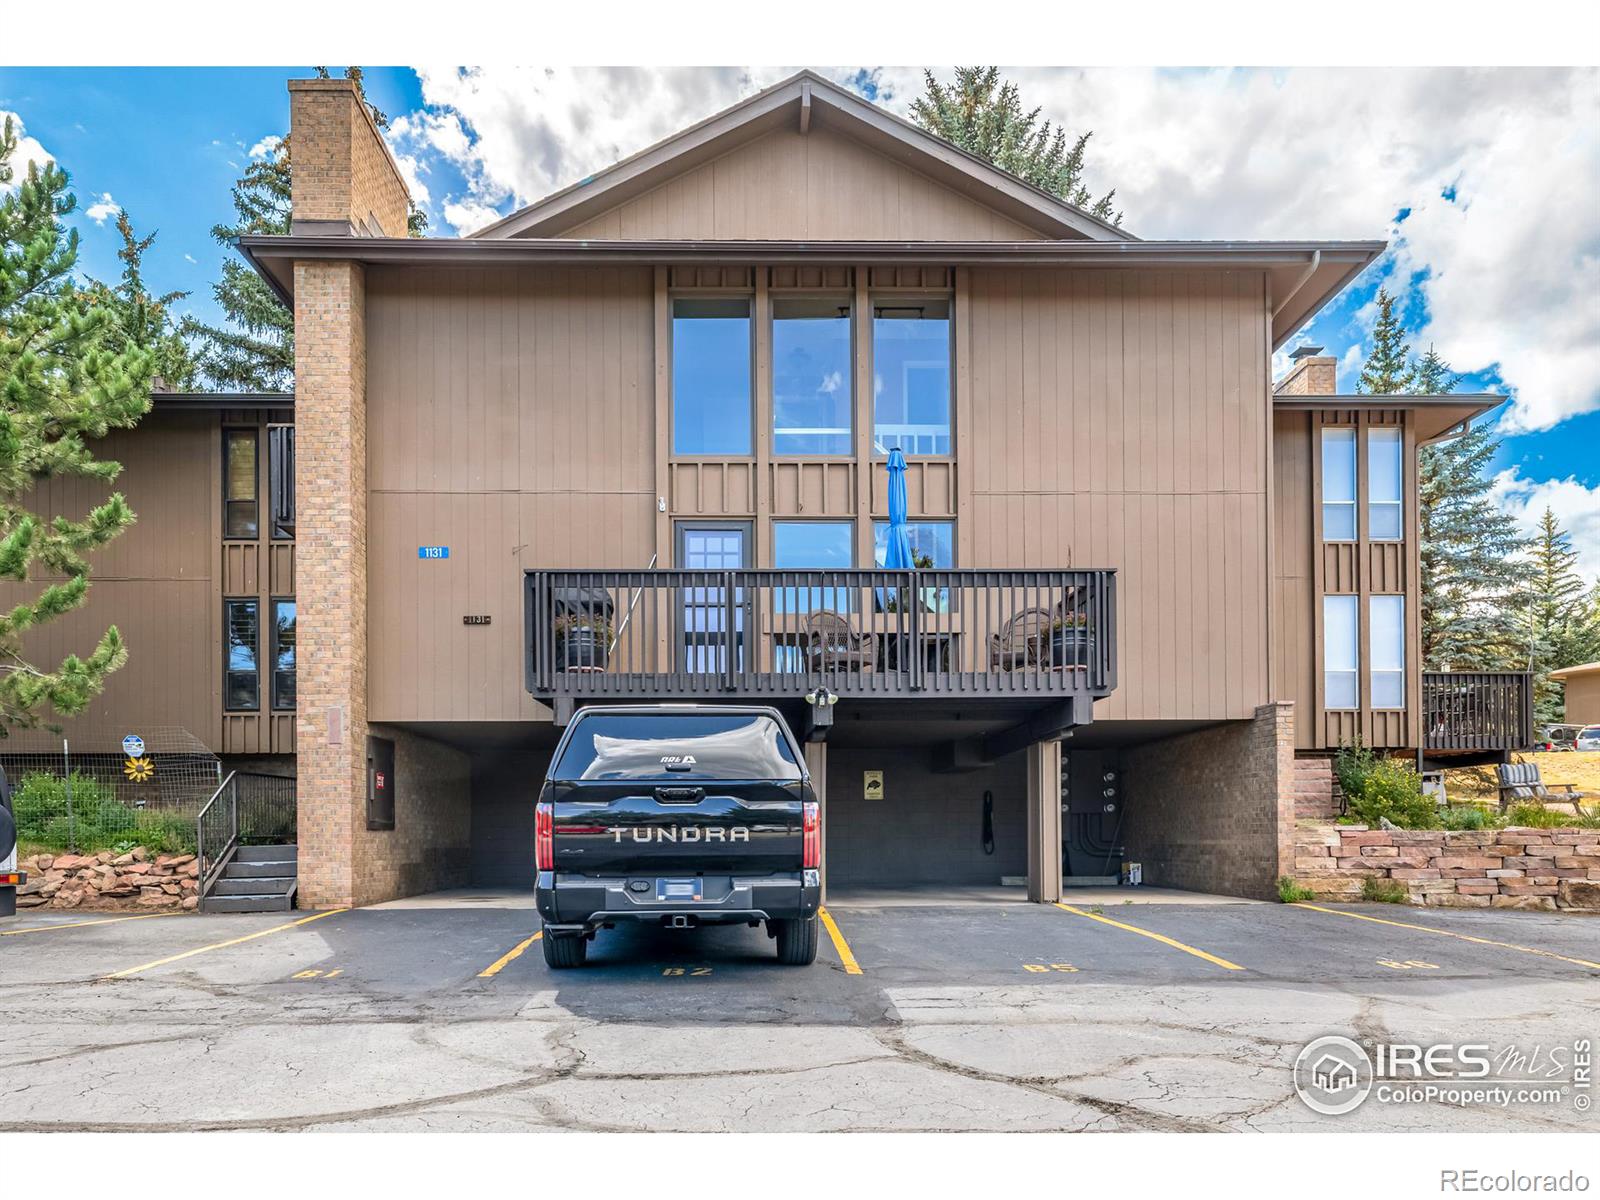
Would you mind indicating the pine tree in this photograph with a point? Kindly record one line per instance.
(67, 375)
(1388, 370)
(254, 350)
(1472, 569)
(983, 116)
(143, 320)
(1558, 623)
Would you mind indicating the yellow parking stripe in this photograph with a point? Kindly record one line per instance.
(510, 956)
(81, 924)
(1465, 937)
(249, 937)
(851, 967)
(1176, 945)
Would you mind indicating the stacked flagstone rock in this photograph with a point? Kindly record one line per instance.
(137, 879)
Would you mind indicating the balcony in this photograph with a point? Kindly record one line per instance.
(781, 634)
(1477, 711)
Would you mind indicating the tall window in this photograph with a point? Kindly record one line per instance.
(1387, 622)
(1341, 651)
(799, 545)
(241, 664)
(911, 376)
(280, 486)
(283, 654)
(711, 377)
(933, 543)
(810, 376)
(1385, 457)
(240, 515)
(1339, 484)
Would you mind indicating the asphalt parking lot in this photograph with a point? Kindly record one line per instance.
(935, 1016)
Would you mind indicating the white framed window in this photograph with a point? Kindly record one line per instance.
(1341, 651)
(1385, 471)
(1338, 483)
(1386, 623)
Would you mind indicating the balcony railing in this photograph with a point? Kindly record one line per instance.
(666, 634)
(1477, 710)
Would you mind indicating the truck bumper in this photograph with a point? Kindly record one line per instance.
(580, 904)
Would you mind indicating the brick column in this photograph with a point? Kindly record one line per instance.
(331, 577)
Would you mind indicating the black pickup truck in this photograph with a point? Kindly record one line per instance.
(681, 815)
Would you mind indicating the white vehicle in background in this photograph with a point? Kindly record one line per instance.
(1588, 738)
(10, 877)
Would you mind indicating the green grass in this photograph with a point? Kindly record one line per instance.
(1290, 892)
(99, 820)
(1382, 891)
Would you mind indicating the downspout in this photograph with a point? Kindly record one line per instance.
(1305, 278)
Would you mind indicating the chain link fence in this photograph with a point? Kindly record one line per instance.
(87, 795)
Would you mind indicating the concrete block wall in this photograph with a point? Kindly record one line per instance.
(429, 847)
(928, 828)
(1214, 810)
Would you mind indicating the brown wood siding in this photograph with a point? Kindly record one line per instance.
(820, 186)
(510, 416)
(157, 583)
(1309, 568)
(1120, 419)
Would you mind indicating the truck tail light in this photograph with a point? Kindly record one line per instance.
(544, 842)
(811, 824)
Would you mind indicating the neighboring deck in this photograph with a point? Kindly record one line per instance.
(861, 634)
(1477, 711)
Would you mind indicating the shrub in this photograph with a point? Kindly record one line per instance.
(1291, 892)
(1467, 816)
(1537, 816)
(1392, 790)
(1382, 891)
(1351, 766)
(99, 820)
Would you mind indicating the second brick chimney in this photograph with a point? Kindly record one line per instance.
(344, 180)
(1313, 373)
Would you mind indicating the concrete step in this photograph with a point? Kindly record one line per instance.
(236, 904)
(259, 885)
(260, 869)
(267, 854)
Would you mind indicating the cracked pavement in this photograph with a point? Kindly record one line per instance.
(989, 1017)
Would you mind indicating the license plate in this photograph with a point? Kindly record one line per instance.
(679, 889)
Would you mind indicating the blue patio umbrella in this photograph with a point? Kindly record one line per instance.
(897, 550)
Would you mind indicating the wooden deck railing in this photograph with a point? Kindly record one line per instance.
(1477, 710)
(678, 634)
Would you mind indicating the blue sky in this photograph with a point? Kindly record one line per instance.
(1192, 154)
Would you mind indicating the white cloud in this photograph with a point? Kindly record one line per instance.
(102, 209)
(28, 151)
(1506, 267)
(1576, 506)
(191, 258)
(468, 216)
(267, 145)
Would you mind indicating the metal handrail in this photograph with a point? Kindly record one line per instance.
(211, 864)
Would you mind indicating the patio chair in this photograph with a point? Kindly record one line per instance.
(1522, 782)
(833, 644)
(1022, 642)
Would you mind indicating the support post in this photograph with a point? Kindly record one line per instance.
(1044, 822)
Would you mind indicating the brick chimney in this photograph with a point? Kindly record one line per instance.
(344, 179)
(1312, 373)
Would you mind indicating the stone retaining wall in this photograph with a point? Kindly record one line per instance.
(1492, 868)
(135, 880)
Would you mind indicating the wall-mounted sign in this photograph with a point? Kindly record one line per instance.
(133, 746)
(475, 619)
(433, 551)
(872, 785)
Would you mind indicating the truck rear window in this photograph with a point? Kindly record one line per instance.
(677, 746)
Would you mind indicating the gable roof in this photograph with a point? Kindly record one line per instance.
(802, 99)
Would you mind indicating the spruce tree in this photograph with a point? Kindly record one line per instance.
(254, 350)
(1472, 569)
(142, 320)
(1558, 624)
(1388, 370)
(983, 116)
(67, 376)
